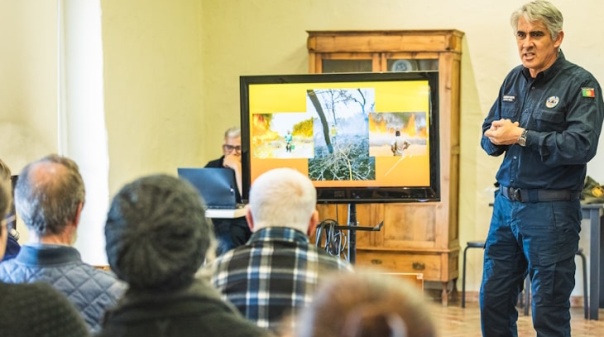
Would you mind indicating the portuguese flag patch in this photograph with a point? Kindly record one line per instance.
(588, 92)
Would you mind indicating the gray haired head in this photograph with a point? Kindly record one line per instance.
(232, 132)
(48, 194)
(542, 11)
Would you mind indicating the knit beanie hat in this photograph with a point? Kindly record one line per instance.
(157, 234)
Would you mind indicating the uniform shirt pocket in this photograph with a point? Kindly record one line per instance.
(549, 120)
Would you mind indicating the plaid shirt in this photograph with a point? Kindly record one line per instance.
(273, 275)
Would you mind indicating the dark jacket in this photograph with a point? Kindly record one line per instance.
(90, 290)
(196, 310)
(37, 310)
(216, 163)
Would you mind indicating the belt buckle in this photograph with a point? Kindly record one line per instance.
(515, 194)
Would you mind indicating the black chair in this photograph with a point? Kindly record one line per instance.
(527, 288)
(469, 245)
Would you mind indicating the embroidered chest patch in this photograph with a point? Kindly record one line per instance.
(552, 101)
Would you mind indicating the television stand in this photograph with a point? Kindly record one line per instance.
(352, 227)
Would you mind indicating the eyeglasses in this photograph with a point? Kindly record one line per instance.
(231, 148)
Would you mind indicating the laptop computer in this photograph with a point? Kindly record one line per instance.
(217, 186)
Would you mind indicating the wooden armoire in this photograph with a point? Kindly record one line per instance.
(417, 237)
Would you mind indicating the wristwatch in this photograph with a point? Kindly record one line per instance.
(522, 139)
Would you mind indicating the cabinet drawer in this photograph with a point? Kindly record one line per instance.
(427, 264)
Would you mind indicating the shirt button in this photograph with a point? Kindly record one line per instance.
(514, 157)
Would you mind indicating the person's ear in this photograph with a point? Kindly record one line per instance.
(558, 40)
(249, 218)
(78, 215)
(313, 222)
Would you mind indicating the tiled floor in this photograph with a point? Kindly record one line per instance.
(453, 321)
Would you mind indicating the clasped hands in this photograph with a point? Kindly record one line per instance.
(504, 132)
(232, 161)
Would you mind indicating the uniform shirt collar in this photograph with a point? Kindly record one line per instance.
(279, 234)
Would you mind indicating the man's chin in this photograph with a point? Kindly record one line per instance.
(528, 62)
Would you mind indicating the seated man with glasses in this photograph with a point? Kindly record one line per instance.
(230, 232)
(231, 154)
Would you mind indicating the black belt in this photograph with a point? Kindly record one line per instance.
(524, 195)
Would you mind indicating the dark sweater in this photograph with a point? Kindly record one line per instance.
(37, 310)
(194, 311)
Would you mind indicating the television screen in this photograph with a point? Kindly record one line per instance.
(360, 137)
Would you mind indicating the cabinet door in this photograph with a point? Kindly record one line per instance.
(409, 62)
(346, 62)
(405, 65)
(407, 226)
(375, 62)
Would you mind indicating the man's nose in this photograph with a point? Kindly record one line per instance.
(527, 42)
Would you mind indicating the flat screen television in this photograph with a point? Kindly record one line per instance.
(341, 130)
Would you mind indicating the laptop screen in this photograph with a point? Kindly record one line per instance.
(217, 186)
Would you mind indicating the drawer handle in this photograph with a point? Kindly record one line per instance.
(376, 261)
(419, 266)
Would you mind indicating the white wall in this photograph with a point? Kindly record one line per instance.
(153, 87)
(28, 80)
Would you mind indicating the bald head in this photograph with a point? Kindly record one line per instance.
(283, 197)
(49, 194)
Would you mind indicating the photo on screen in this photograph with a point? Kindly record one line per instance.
(282, 135)
(361, 137)
(341, 134)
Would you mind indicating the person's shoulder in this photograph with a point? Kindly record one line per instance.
(215, 163)
(514, 73)
(236, 256)
(104, 277)
(10, 271)
(42, 308)
(578, 74)
(24, 293)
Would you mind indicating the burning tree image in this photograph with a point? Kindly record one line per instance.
(384, 125)
(276, 135)
(341, 134)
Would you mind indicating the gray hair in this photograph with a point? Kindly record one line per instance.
(48, 194)
(543, 11)
(157, 235)
(282, 197)
(232, 132)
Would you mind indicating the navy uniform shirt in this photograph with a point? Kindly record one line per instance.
(562, 110)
